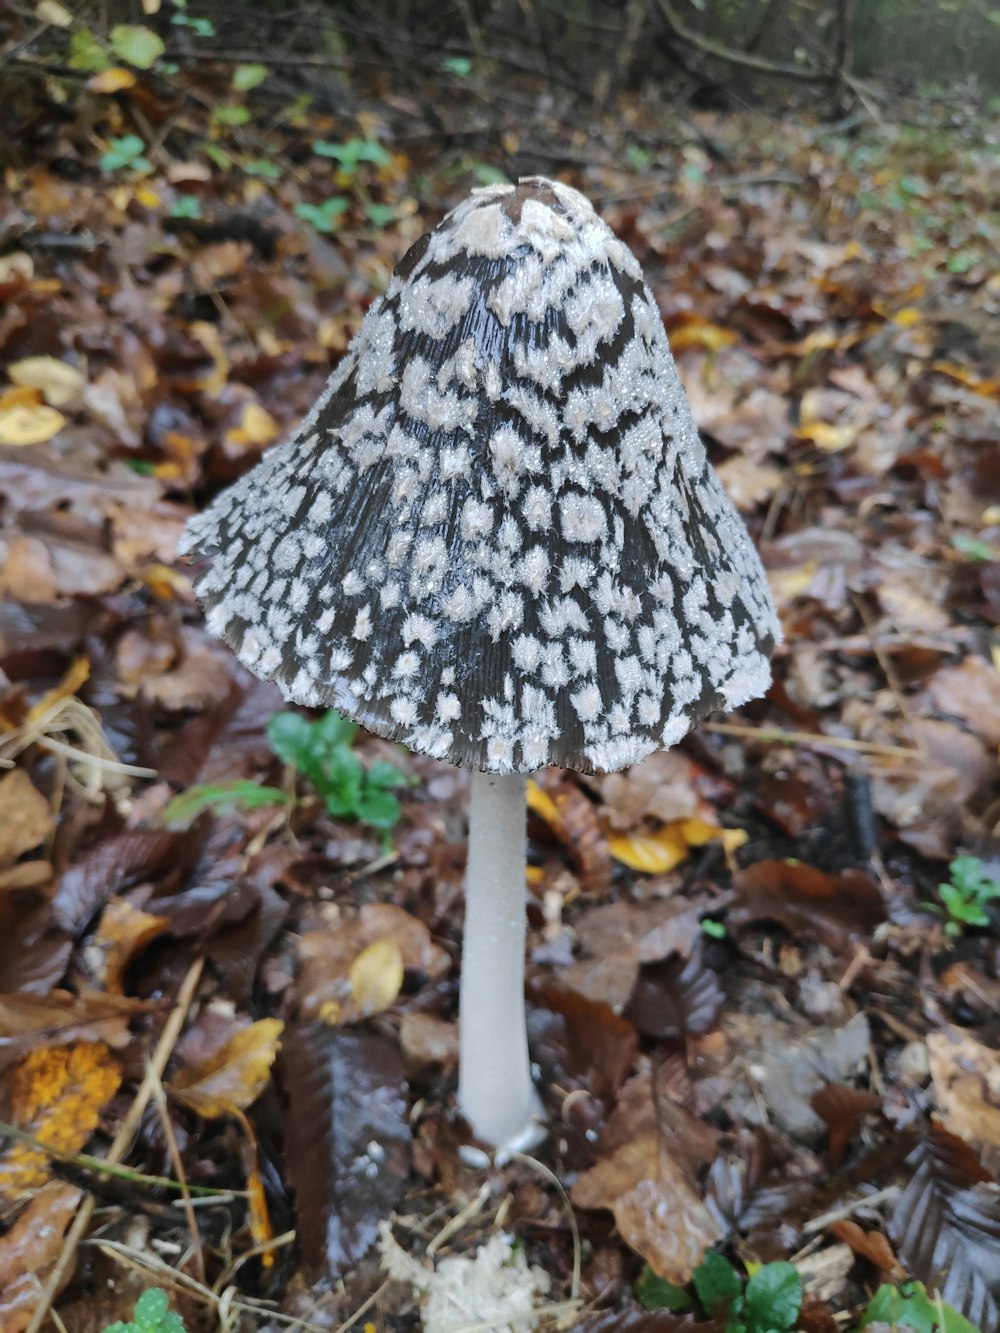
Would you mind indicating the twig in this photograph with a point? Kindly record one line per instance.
(160, 1098)
(553, 1179)
(778, 736)
(122, 1141)
(743, 58)
(845, 1210)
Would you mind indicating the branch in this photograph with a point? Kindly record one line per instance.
(743, 58)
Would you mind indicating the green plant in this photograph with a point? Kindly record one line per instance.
(152, 1315)
(909, 1306)
(322, 752)
(125, 153)
(241, 794)
(325, 216)
(768, 1301)
(350, 154)
(967, 895)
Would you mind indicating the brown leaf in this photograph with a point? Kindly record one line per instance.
(557, 799)
(56, 1095)
(428, 1040)
(28, 1251)
(327, 956)
(842, 1109)
(833, 909)
(116, 864)
(870, 1245)
(600, 1046)
(970, 692)
(122, 934)
(647, 1180)
(234, 1076)
(966, 1078)
(946, 1225)
(28, 1020)
(676, 998)
(25, 817)
(347, 1139)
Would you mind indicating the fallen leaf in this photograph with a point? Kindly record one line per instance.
(966, 1077)
(57, 382)
(29, 425)
(347, 1139)
(808, 902)
(56, 1095)
(375, 977)
(657, 1212)
(970, 692)
(234, 1076)
(114, 80)
(58, 1016)
(29, 1249)
(657, 853)
(428, 1040)
(25, 818)
(870, 1245)
(122, 933)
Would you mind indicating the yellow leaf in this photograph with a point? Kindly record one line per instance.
(150, 6)
(967, 378)
(234, 1077)
(652, 854)
(124, 931)
(59, 383)
(166, 583)
(56, 1094)
(827, 436)
(50, 11)
(540, 803)
(376, 976)
(147, 196)
(208, 335)
(29, 425)
(909, 316)
(700, 333)
(16, 265)
(657, 853)
(787, 584)
(112, 80)
(257, 427)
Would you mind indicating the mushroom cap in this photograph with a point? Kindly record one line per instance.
(496, 537)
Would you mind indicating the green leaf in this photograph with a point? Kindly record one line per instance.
(715, 930)
(332, 729)
(136, 45)
(262, 168)
(973, 548)
(246, 77)
(484, 173)
(186, 206)
(353, 152)
(458, 65)
(231, 114)
(215, 153)
(378, 808)
(239, 794)
(384, 774)
(290, 735)
(86, 52)
(152, 1315)
(125, 152)
(200, 27)
(773, 1298)
(324, 216)
(656, 1293)
(717, 1283)
(901, 1307)
(380, 215)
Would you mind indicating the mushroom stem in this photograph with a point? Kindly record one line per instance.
(495, 1091)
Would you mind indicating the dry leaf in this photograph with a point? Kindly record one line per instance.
(657, 853)
(966, 1078)
(123, 932)
(113, 80)
(256, 430)
(29, 424)
(376, 976)
(57, 382)
(51, 11)
(25, 817)
(57, 1094)
(29, 1249)
(234, 1077)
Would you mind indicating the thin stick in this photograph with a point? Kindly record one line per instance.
(160, 1098)
(122, 1141)
(553, 1179)
(838, 1214)
(778, 736)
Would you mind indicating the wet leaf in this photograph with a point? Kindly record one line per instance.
(233, 1077)
(657, 853)
(376, 976)
(57, 1094)
(809, 903)
(348, 1136)
(29, 424)
(946, 1226)
(25, 817)
(122, 934)
(29, 1249)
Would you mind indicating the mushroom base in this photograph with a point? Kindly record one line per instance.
(495, 1091)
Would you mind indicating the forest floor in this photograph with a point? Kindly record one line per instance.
(760, 1025)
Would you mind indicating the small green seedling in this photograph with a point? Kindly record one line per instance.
(322, 752)
(910, 1307)
(152, 1315)
(125, 153)
(325, 216)
(768, 1301)
(970, 891)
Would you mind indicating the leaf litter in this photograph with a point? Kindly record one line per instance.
(744, 1014)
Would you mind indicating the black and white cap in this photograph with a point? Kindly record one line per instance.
(497, 537)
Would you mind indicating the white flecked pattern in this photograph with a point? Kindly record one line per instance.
(497, 537)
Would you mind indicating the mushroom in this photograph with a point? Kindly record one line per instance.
(497, 539)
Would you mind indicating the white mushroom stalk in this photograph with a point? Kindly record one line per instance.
(497, 538)
(494, 1087)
